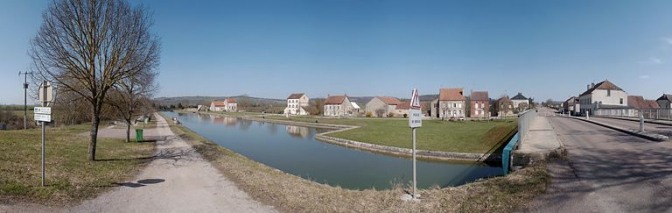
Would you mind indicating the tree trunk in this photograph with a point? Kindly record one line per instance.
(128, 131)
(95, 121)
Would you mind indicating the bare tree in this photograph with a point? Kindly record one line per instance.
(128, 97)
(88, 47)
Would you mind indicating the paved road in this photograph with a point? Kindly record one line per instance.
(648, 127)
(607, 171)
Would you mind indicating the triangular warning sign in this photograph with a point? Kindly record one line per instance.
(415, 100)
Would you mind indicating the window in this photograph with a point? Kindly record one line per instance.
(621, 101)
(608, 93)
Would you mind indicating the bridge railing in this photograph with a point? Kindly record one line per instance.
(524, 121)
(654, 114)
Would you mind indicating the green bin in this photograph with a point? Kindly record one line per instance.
(139, 135)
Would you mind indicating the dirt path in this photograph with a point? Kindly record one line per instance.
(179, 180)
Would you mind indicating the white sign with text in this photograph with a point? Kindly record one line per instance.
(42, 110)
(43, 117)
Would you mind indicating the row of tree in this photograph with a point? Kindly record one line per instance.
(101, 55)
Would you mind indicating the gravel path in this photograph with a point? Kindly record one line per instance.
(179, 180)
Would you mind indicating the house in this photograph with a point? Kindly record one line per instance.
(217, 106)
(337, 106)
(665, 101)
(479, 103)
(639, 103)
(571, 105)
(504, 107)
(604, 95)
(520, 102)
(297, 104)
(382, 106)
(450, 104)
(355, 108)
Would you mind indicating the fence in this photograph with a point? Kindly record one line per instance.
(655, 114)
(524, 121)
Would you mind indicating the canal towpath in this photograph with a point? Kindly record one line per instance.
(177, 180)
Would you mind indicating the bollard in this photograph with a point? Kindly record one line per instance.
(641, 123)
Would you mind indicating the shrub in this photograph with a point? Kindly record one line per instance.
(369, 114)
(390, 114)
(405, 115)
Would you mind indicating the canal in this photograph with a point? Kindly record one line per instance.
(294, 149)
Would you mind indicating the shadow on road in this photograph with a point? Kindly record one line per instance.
(140, 183)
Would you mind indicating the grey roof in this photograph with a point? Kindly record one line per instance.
(665, 97)
(519, 97)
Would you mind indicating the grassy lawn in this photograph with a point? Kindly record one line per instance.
(70, 177)
(435, 135)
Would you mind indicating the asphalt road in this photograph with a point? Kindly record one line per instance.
(607, 171)
(648, 127)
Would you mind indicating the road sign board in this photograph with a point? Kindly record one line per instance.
(415, 120)
(415, 100)
(43, 117)
(42, 110)
(49, 97)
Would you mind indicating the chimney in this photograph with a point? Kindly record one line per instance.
(588, 87)
(592, 85)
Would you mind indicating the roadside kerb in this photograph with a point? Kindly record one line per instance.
(540, 144)
(650, 136)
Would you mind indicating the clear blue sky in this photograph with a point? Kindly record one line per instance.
(545, 49)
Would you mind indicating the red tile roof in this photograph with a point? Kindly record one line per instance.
(451, 94)
(335, 99)
(604, 85)
(231, 100)
(638, 102)
(218, 103)
(389, 100)
(479, 96)
(295, 96)
(404, 105)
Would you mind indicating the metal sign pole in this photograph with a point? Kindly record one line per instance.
(415, 180)
(44, 104)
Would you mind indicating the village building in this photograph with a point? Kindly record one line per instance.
(297, 104)
(504, 107)
(665, 101)
(604, 95)
(337, 106)
(228, 105)
(450, 104)
(355, 108)
(571, 105)
(479, 104)
(520, 102)
(382, 106)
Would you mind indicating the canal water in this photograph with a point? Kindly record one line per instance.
(295, 150)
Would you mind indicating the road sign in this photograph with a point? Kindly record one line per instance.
(49, 96)
(42, 110)
(415, 118)
(43, 117)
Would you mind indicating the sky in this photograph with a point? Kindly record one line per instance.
(544, 49)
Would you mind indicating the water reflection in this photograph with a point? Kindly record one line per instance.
(298, 131)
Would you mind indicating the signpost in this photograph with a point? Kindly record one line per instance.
(43, 114)
(415, 121)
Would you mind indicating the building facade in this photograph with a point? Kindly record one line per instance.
(504, 107)
(228, 105)
(665, 101)
(297, 104)
(520, 102)
(479, 104)
(604, 95)
(337, 106)
(381, 106)
(450, 104)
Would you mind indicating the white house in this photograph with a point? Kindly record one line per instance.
(381, 106)
(665, 101)
(297, 104)
(228, 105)
(337, 106)
(604, 95)
(520, 102)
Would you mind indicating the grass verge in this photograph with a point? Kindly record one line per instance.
(290, 193)
(70, 177)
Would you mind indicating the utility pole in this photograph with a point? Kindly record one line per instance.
(25, 97)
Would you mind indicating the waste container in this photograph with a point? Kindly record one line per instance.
(139, 135)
